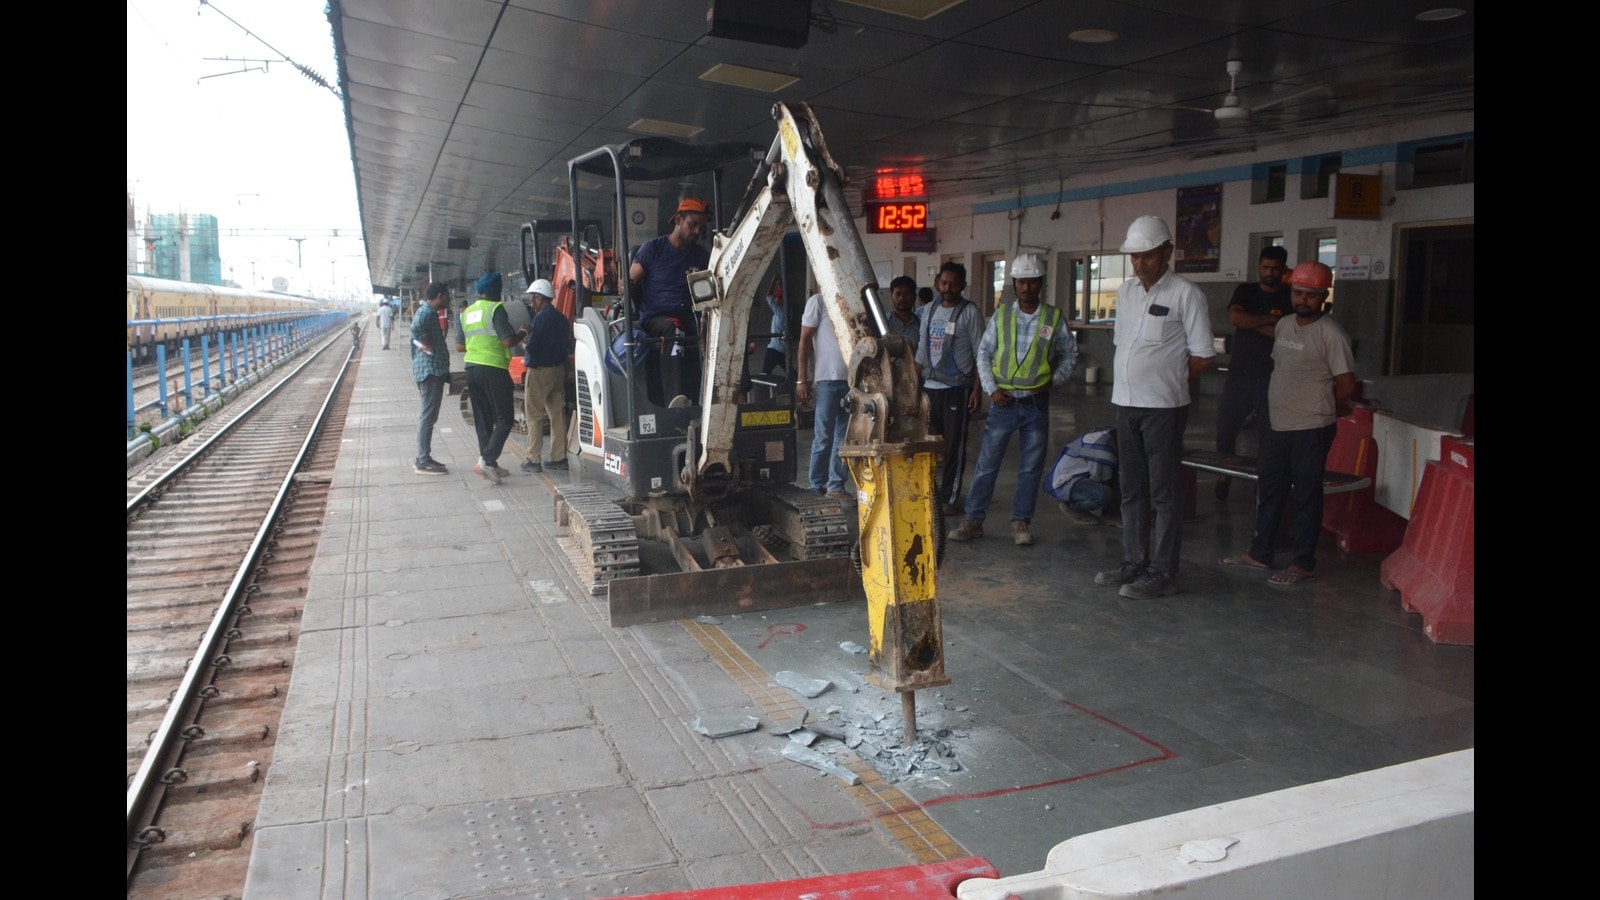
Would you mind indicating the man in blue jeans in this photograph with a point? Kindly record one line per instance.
(818, 345)
(430, 366)
(1025, 351)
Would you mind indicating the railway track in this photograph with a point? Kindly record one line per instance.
(221, 535)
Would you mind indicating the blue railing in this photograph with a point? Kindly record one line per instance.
(230, 348)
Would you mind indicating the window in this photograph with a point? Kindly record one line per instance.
(1316, 175)
(1089, 297)
(1267, 182)
(1433, 163)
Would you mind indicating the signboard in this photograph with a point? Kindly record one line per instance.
(1357, 196)
(1198, 245)
(1354, 267)
(926, 241)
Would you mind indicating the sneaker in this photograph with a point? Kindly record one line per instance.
(426, 466)
(503, 473)
(1149, 587)
(1020, 535)
(1221, 490)
(486, 471)
(558, 465)
(530, 466)
(970, 528)
(1127, 573)
(1079, 516)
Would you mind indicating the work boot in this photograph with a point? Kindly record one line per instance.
(970, 528)
(484, 470)
(949, 509)
(1127, 573)
(1020, 535)
(1150, 587)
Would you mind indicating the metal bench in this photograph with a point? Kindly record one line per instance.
(1245, 467)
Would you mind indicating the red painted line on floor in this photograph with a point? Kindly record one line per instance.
(1161, 756)
(772, 632)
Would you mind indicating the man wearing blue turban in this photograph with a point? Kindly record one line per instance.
(487, 339)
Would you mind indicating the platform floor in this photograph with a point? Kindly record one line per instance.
(463, 721)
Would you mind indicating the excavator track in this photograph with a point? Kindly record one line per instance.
(605, 544)
(804, 525)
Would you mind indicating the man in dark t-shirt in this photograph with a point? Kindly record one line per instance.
(1254, 311)
(658, 271)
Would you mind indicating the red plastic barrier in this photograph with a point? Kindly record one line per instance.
(932, 880)
(1433, 569)
(1357, 521)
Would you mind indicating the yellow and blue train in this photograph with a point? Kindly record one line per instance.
(162, 311)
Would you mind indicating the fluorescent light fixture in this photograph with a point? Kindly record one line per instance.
(911, 9)
(1093, 35)
(443, 57)
(748, 78)
(1440, 14)
(669, 129)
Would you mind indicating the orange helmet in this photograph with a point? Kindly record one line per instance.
(1313, 276)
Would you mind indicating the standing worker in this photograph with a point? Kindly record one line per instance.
(1024, 353)
(948, 355)
(1163, 343)
(544, 385)
(487, 339)
(903, 318)
(1253, 312)
(830, 422)
(386, 321)
(658, 272)
(430, 367)
(1312, 382)
(777, 347)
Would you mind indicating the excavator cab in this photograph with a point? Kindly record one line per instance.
(639, 397)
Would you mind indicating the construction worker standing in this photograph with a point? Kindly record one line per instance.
(1025, 352)
(487, 339)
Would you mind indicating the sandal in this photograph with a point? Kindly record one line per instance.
(1290, 578)
(1243, 561)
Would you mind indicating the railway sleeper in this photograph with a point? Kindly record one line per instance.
(230, 836)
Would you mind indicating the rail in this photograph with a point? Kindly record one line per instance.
(146, 787)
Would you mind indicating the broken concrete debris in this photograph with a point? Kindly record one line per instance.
(719, 725)
(804, 685)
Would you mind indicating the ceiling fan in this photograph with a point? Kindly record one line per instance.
(1233, 109)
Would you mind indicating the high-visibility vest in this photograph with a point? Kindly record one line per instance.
(1033, 370)
(483, 345)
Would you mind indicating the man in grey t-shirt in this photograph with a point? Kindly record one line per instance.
(1312, 381)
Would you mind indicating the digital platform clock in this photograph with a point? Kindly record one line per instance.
(896, 216)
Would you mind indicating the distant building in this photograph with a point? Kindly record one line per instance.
(183, 247)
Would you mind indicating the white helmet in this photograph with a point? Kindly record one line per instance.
(1027, 265)
(543, 288)
(1145, 234)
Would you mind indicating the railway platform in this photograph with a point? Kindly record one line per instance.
(463, 721)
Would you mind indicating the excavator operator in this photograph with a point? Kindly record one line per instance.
(658, 273)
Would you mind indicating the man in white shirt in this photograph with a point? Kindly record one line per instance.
(1163, 343)
(818, 346)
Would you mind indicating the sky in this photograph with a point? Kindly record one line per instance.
(266, 152)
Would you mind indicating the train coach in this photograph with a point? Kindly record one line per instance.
(162, 311)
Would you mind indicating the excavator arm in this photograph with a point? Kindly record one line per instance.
(890, 454)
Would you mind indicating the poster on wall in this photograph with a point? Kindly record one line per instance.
(1198, 245)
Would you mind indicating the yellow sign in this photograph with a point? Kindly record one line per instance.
(764, 417)
(1357, 196)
